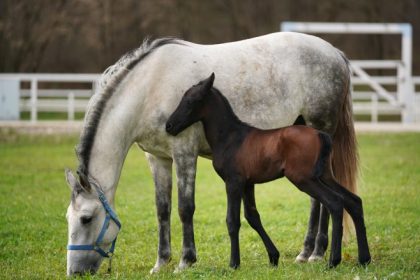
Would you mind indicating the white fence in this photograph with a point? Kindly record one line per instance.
(403, 101)
(71, 101)
(371, 95)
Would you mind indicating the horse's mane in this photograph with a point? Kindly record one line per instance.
(109, 81)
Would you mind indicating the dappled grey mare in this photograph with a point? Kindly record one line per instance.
(269, 81)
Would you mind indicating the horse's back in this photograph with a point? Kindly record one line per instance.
(268, 80)
(271, 79)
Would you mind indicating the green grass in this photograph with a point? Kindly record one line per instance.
(48, 116)
(34, 198)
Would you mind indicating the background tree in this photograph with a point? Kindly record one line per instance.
(87, 36)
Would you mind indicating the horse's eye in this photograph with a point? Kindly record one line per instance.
(86, 219)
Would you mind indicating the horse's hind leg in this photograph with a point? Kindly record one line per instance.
(321, 241)
(186, 164)
(353, 205)
(316, 239)
(253, 218)
(309, 243)
(334, 203)
(162, 176)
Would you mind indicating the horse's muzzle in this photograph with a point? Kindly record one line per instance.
(83, 269)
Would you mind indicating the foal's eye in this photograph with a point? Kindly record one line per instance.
(86, 219)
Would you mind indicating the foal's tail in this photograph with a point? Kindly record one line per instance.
(345, 158)
(324, 155)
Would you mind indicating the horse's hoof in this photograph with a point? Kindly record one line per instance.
(315, 258)
(159, 264)
(155, 269)
(178, 270)
(301, 258)
(182, 266)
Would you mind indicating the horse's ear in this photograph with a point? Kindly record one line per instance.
(72, 182)
(208, 83)
(84, 181)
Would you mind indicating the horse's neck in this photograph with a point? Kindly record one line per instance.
(221, 125)
(110, 147)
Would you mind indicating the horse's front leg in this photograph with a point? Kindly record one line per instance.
(162, 175)
(233, 220)
(186, 165)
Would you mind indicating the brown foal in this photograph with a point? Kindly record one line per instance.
(244, 155)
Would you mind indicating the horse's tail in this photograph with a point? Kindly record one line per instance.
(345, 158)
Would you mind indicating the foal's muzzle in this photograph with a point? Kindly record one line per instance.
(170, 128)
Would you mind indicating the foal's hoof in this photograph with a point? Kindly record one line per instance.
(334, 263)
(234, 265)
(364, 261)
(274, 259)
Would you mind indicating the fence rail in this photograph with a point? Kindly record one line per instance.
(366, 101)
(36, 100)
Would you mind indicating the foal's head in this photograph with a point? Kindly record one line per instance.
(190, 109)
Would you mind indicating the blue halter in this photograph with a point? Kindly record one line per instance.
(110, 214)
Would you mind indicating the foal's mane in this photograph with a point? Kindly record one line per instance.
(110, 80)
(229, 108)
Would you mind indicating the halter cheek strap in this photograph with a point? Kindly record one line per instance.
(110, 215)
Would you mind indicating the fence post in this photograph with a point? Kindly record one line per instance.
(405, 84)
(70, 106)
(9, 98)
(34, 99)
(374, 108)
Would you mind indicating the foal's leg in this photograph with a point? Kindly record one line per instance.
(334, 203)
(353, 205)
(233, 220)
(186, 165)
(253, 218)
(162, 176)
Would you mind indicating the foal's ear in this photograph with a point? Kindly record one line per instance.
(208, 83)
(72, 182)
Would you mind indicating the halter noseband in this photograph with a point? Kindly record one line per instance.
(110, 214)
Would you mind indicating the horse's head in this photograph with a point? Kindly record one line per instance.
(92, 226)
(190, 109)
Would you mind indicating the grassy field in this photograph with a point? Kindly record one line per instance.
(34, 198)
